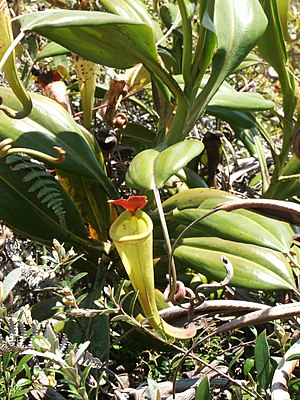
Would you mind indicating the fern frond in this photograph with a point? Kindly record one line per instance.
(34, 174)
(39, 184)
(49, 197)
(46, 187)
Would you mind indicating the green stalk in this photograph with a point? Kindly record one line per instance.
(187, 44)
(206, 43)
(8, 64)
(178, 129)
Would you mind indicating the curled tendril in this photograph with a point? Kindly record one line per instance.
(199, 296)
(181, 292)
(5, 146)
(6, 149)
(120, 121)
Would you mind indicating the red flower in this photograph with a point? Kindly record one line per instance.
(132, 204)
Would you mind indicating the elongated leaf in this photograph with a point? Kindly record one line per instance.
(288, 188)
(228, 98)
(138, 136)
(241, 101)
(31, 217)
(10, 282)
(238, 26)
(238, 227)
(272, 48)
(50, 125)
(151, 168)
(255, 268)
(193, 198)
(260, 230)
(203, 390)
(82, 32)
(133, 9)
(90, 200)
(262, 360)
(52, 49)
(284, 11)
(103, 38)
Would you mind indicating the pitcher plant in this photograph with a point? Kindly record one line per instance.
(132, 235)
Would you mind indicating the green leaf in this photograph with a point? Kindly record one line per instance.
(50, 125)
(170, 14)
(293, 357)
(228, 98)
(255, 267)
(248, 365)
(152, 168)
(52, 49)
(238, 25)
(133, 9)
(153, 389)
(286, 189)
(243, 227)
(10, 282)
(203, 390)
(284, 11)
(241, 101)
(138, 136)
(262, 360)
(250, 59)
(140, 174)
(30, 217)
(21, 365)
(103, 38)
(90, 200)
(272, 48)
(121, 42)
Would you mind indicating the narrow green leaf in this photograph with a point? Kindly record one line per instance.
(293, 357)
(10, 282)
(284, 11)
(286, 189)
(203, 390)
(21, 365)
(272, 48)
(262, 361)
(52, 49)
(153, 389)
(238, 26)
(239, 227)
(255, 267)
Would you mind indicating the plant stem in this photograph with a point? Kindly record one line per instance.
(187, 44)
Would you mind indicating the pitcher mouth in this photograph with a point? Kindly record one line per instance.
(131, 228)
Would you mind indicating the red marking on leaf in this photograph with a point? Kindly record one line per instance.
(132, 204)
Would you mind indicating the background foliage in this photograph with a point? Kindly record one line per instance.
(193, 104)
